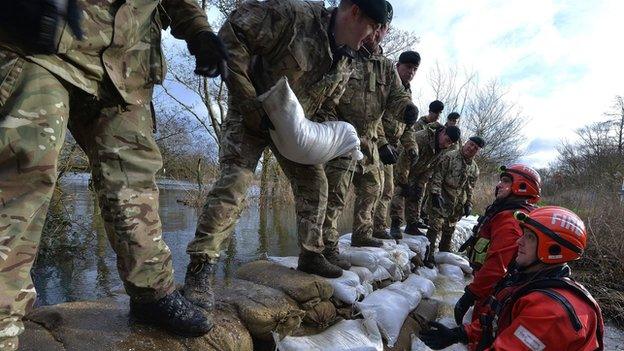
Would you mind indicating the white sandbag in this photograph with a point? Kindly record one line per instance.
(413, 296)
(301, 140)
(388, 309)
(380, 274)
(429, 273)
(347, 288)
(454, 259)
(452, 271)
(288, 261)
(347, 335)
(360, 258)
(365, 274)
(421, 284)
(400, 256)
(416, 243)
(418, 345)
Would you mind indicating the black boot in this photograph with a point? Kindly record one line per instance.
(173, 313)
(382, 234)
(412, 229)
(316, 263)
(197, 287)
(331, 255)
(395, 230)
(364, 241)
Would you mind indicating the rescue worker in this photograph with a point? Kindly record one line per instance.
(402, 176)
(400, 138)
(537, 306)
(374, 87)
(493, 245)
(450, 194)
(313, 47)
(94, 77)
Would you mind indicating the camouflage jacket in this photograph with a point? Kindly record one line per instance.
(421, 123)
(271, 39)
(427, 154)
(391, 131)
(121, 41)
(374, 87)
(454, 178)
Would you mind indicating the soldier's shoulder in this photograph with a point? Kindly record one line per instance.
(298, 6)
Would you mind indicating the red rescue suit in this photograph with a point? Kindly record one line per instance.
(557, 319)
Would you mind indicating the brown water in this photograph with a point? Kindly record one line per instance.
(79, 264)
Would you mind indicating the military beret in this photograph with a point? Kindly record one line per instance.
(389, 12)
(375, 9)
(410, 57)
(453, 133)
(477, 140)
(453, 116)
(436, 106)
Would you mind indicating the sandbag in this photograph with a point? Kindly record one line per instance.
(306, 289)
(288, 261)
(429, 273)
(321, 315)
(404, 341)
(347, 335)
(389, 309)
(454, 259)
(416, 243)
(413, 296)
(301, 140)
(262, 310)
(452, 271)
(381, 274)
(421, 284)
(365, 274)
(426, 311)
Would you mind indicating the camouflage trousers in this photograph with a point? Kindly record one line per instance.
(414, 203)
(36, 108)
(239, 156)
(341, 172)
(444, 225)
(401, 182)
(380, 214)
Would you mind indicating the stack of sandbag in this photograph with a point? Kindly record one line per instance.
(312, 293)
(263, 310)
(347, 289)
(416, 243)
(347, 335)
(463, 230)
(453, 259)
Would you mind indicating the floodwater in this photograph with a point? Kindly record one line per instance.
(79, 264)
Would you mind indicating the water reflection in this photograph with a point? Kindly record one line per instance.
(77, 263)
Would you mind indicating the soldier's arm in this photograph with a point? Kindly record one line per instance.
(440, 169)
(472, 181)
(408, 138)
(381, 133)
(186, 18)
(254, 28)
(398, 96)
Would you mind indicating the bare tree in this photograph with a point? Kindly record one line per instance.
(618, 121)
(452, 86)
(397, 41)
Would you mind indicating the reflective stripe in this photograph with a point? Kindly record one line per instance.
(531, 341)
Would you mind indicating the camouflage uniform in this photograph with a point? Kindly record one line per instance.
(100, 88)
(454, 178)
(402, 175)
(285, 38)
(397, 134)
(374, 87)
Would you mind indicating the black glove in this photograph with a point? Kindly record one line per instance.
(437, 201)
(210, 55)
(463, 304)
(468, 243)
(388, 154)
(36, 23)
(467, 209)
(410, 114)
(440, 336)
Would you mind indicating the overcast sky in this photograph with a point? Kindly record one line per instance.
(562, 61)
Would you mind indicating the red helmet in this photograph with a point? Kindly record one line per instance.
(561, 235)
(525, 181)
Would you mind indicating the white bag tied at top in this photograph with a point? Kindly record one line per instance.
(301, 140)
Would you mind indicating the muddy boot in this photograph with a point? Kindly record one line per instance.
(395, 230)
(316, 263)
(382, 234)
(173, 313)
(412, 229)
(331, 255)
(197, 288)
(364, 241)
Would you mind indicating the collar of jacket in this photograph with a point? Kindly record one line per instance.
(338, 51)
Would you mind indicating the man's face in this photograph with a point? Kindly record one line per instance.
(451, 122)
(444, 142)
(503, 188)
(433, 116)
(407, 71)
(360, 27)
(470, 149)
(374, 40)
(527, 248)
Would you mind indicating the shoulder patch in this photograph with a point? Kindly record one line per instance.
(531, 341)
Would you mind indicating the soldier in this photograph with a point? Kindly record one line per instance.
(452, 119)
(450, 193)
(393, 132)
(402, 174)
(99, 88)
(373, 87)
(311, 46)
